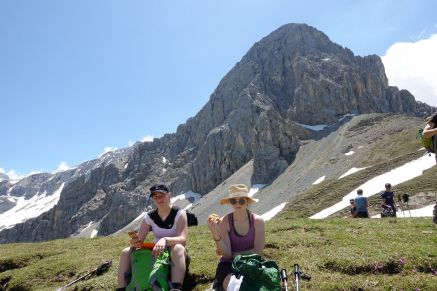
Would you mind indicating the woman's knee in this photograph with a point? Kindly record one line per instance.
(125, 253)
(178, 249)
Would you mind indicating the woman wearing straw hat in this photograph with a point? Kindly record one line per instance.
(239, 232)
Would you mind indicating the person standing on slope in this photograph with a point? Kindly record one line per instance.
(388, 198)
(430, 131)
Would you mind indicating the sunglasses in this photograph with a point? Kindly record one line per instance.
(234, 201)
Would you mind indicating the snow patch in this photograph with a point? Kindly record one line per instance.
(270, 214)
(347, 115)
(26, 209)
(186, 195)
(418, 212)
(351, 171)
(11, 199)
(313, 127)
(320, 180)
(396, 176)
(350, 153)
(93, 233)
(164, 160)
(13, 182)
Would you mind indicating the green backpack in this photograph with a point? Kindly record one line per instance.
(427, 142)
(259, 273)
(148, 272)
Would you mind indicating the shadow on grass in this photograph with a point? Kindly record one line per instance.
(349, 268)
(193, 279)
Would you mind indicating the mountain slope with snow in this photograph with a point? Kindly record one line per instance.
(283, 109)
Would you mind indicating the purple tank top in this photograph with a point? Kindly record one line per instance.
(239, 242)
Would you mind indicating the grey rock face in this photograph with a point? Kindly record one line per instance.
(295, 74)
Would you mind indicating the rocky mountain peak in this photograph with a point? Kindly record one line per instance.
(291, 78)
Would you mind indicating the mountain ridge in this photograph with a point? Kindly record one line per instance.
(295, 74)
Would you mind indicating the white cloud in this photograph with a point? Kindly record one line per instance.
(13, 175)
(107, 150)
(148, 138)
(63, 166)
(412, 66)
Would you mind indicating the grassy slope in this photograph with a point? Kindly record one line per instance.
(391, 152)
(340, 254)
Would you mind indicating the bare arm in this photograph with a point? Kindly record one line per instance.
(430, 130)
(182, 232)
(220, 234)
(142, 234)
(259, 238)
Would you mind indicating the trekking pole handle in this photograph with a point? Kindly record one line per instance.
(284, 278)
(284, 275)
(296, 270)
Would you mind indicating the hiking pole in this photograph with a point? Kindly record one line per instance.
(98, 271)
(284, 278)
(405, 199)
(300, 275)
(401, 204)
(297, 275)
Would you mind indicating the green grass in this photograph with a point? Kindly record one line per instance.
(339, 254)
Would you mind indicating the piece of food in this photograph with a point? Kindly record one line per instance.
(132, 234)
(214, 218)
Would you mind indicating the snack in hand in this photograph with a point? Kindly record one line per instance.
(214, 218)
(133, 234)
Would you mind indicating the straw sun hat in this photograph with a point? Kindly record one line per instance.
(238, 191)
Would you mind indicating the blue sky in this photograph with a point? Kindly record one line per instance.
(77, 77)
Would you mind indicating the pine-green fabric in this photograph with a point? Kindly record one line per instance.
(259, 273)
(148, 272)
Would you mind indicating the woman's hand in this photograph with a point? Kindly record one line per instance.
(213, 225)
(135, 242)
(159, 247)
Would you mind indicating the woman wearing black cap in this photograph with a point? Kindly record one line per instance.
(169, 227)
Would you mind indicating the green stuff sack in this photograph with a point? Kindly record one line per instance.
(148, 272)
(426, 141)
(259, 274)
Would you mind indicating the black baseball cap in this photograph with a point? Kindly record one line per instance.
(159, 188)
